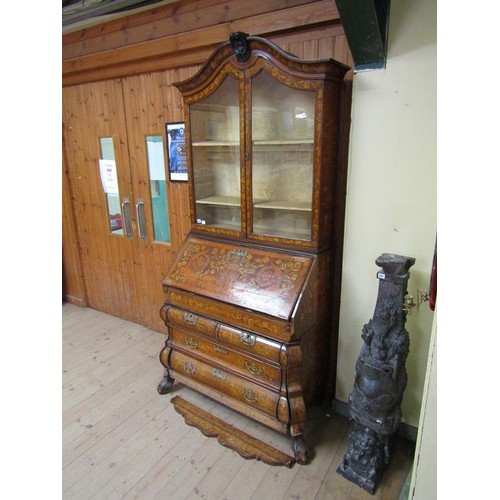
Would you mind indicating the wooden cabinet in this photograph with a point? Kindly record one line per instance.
(249, 294)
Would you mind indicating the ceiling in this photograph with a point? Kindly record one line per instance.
(82, 11)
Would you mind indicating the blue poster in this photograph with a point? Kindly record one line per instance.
(176, 149)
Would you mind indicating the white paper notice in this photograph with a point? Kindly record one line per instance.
(156, 161)
(109, 178)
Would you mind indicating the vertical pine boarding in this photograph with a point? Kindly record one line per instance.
(124, 279)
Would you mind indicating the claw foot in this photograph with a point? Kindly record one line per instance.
(165, 384)
(300, 450)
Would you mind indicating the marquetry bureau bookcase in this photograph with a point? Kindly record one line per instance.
(248, 297)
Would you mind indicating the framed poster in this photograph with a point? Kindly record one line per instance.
(176, 151)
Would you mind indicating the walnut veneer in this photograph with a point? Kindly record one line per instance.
(248, 297)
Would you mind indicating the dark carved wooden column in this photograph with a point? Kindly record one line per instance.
(380, 378)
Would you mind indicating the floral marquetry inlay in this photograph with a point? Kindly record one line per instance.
(253, 278)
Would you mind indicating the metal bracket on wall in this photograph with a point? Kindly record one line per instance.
(410, 305)
(366, 27)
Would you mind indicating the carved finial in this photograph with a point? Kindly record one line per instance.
(240, 46)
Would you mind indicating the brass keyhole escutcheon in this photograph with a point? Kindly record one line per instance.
(191, 343)
(190, 318)
(253, 369)
(247, 339)
(250, 396)
(189, 367)
(220, 349)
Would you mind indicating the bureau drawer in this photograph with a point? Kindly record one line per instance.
(275, 328)
(249, 342)
(185, 319)
(227, 357)
(254, 344)
(225, 382)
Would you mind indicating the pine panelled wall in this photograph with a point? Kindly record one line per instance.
(117, 82)
(121, 274)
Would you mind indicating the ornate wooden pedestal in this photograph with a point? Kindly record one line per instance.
(380, 378)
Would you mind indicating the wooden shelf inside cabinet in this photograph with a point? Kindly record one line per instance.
(221, 201)
(234, 201)
(271, 142)
(199, 144)
(271, 229)
(283, 142)
(287, 206)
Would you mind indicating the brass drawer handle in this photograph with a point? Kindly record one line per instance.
(219, 374)
(189, 367)
(247, 338)
(190, 318)
(250, 396)
(219, 349)
(193, 344)
(253, 369)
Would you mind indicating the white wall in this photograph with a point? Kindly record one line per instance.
(423, 485)
(391, 192)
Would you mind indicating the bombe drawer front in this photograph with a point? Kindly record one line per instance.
(229, 314)
(228, 358)
(173, 316)
(253, 344)
(225, 382)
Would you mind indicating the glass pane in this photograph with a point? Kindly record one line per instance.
(113, 200)
(282, 158)
(158, 188)
(215, 139)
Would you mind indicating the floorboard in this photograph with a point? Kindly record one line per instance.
(122, 440)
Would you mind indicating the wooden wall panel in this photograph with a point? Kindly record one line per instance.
(190, 46)
(150, 102)
(73, 285)
(317, 43)
(179, 194)
(145, 115)
(91, 111)
(309, 29)
(167, 21)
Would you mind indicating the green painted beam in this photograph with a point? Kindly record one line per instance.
(366, 24)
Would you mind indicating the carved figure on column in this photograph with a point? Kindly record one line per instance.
(380, 377)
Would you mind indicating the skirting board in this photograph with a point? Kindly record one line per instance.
(404, 430)
(76, 301)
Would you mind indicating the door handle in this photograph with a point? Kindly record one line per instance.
(141, 218)
(126, 217)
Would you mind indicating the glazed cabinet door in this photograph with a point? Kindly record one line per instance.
(214, 134)
(281, 170)
(262, 144)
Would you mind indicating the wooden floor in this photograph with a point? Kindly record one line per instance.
(121, 439)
